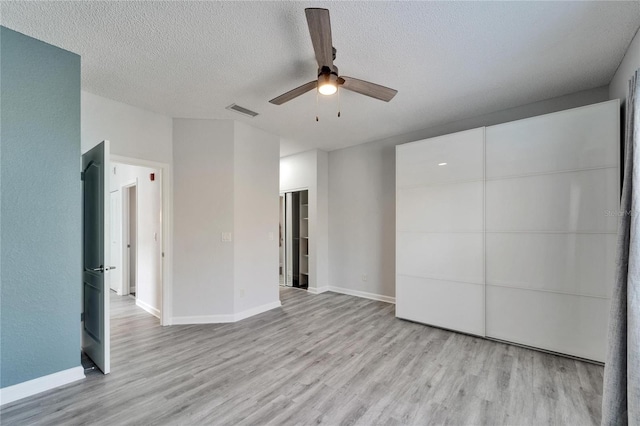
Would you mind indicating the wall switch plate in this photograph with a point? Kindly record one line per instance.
(365, 277)
(226, 237)
(242, 292)
(271, 236)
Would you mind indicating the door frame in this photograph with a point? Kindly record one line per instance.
(166, 173)
(285, 212)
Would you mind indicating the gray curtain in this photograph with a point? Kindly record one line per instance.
(621, 392)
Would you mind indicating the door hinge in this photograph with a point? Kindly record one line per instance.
(82, 176)
(81, 316)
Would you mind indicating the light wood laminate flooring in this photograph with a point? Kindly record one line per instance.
(320, 359)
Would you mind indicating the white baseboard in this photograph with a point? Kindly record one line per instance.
(153, 311)
(318, 290)
(41, 384)
(363, 294)
(202, 319)
(257, 310)
(217, 319)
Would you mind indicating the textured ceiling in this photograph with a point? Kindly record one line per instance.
(448, 60)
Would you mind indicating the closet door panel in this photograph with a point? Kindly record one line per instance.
(439, 231)
(418, 162)
(575, 202)
(574, 325)
(567, 263)
(566, 140)
(453, 257)
(447, 304)
(551, 195)
(440, 208)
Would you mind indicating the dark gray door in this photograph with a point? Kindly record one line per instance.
(95, 287)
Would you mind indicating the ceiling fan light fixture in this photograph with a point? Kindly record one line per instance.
(327, 84)
(327, 89)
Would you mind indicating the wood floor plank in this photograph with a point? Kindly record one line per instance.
(320, 359)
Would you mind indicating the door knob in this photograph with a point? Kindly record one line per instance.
(101, 269)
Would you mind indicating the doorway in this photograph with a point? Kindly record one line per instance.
(139, 222)
(281, 250)
(159, 237)
(103, 206)
(294, 239)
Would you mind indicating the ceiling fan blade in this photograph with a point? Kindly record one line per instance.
(320, 30)
(291, 94)
(368, 89)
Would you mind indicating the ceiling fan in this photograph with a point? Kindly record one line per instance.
(328, 80)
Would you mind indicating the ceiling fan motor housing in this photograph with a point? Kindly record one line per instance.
(327, 70)
(328, 75)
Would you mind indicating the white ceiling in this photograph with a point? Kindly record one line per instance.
(448, 60)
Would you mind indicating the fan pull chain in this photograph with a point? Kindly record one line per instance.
(338, 101)
(317, 95)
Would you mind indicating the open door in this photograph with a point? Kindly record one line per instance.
(96, 242)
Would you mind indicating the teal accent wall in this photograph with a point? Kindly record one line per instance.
(40, 209)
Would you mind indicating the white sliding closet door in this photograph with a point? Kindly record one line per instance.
(551, 183)
(439, 231)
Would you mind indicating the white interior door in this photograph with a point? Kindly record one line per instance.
(132, 244)
(96, 245)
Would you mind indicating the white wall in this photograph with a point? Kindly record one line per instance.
(362, 197)
(619, 86)
(256, 210)
(203, 209)
(309, 170)
(226, 181)
(133, 132)
(149, 230)
(298, 171)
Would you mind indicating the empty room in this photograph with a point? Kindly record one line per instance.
(297, 213)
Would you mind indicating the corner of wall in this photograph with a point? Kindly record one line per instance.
(255, 211)
(322, 219)
(618, 86)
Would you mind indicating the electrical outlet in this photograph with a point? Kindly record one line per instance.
(365, 277)
(225, 237)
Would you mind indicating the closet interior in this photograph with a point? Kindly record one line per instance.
(294, 239)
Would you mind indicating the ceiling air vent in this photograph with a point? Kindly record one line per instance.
(242, 110)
